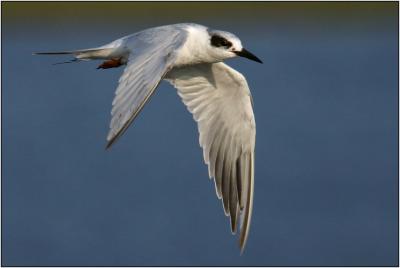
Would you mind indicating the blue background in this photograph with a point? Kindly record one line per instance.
(325, 102)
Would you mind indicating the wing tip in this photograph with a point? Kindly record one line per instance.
(109, 144)
(244, 234)
(245, 228)
(111, 139)
(242, 249)
(243, 241)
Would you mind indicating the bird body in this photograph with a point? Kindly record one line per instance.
(189, 56)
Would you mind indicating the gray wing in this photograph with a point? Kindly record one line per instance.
(220, 101)
(151, 55)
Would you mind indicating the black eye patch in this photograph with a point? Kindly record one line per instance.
(218, 41)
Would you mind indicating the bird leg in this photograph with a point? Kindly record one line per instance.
(113, 63)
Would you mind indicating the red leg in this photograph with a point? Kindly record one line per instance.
(113, 63)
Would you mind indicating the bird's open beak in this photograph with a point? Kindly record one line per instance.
(247, 54)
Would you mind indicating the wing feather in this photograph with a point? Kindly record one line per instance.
(225, 175)
(151, 55)
(220, 101)
(233, 201)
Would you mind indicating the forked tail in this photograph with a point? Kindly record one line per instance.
(82, 54)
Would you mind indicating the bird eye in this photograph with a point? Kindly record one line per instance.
(218, 41)
(224, 42)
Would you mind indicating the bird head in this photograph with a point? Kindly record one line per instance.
(226, 45)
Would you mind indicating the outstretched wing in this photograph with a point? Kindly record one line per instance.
(151, 56)
(220, 101)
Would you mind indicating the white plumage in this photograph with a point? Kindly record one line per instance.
(190, 56)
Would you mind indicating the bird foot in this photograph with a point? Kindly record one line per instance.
(113, 63)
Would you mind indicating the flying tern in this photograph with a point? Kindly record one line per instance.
(190, 57)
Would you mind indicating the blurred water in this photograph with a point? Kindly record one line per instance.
(325, 102)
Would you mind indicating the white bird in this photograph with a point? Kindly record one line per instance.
(190, 56)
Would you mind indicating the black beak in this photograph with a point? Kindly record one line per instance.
(246, 54)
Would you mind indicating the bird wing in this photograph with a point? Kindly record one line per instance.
(220, 101)
(151, 55)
